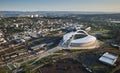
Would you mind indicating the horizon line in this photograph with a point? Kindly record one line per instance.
(61, 11)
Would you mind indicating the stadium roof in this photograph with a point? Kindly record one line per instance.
(86, 39)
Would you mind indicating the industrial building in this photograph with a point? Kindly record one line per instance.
(108, 58)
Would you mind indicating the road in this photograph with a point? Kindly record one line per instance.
(47, 53)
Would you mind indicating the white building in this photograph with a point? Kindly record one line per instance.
(88, 29)
(1, 34)
(2, 40)
(79, 40)
(108, 58)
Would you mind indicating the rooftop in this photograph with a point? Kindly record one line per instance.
(108, 58)
(79, 36)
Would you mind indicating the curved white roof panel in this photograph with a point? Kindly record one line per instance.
(81, 31)
(86, 39)
(67, 36)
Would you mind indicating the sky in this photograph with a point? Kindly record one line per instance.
(60, 5)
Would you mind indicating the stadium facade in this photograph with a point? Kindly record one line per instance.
(79, 39)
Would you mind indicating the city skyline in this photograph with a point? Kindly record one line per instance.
(60, 5)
